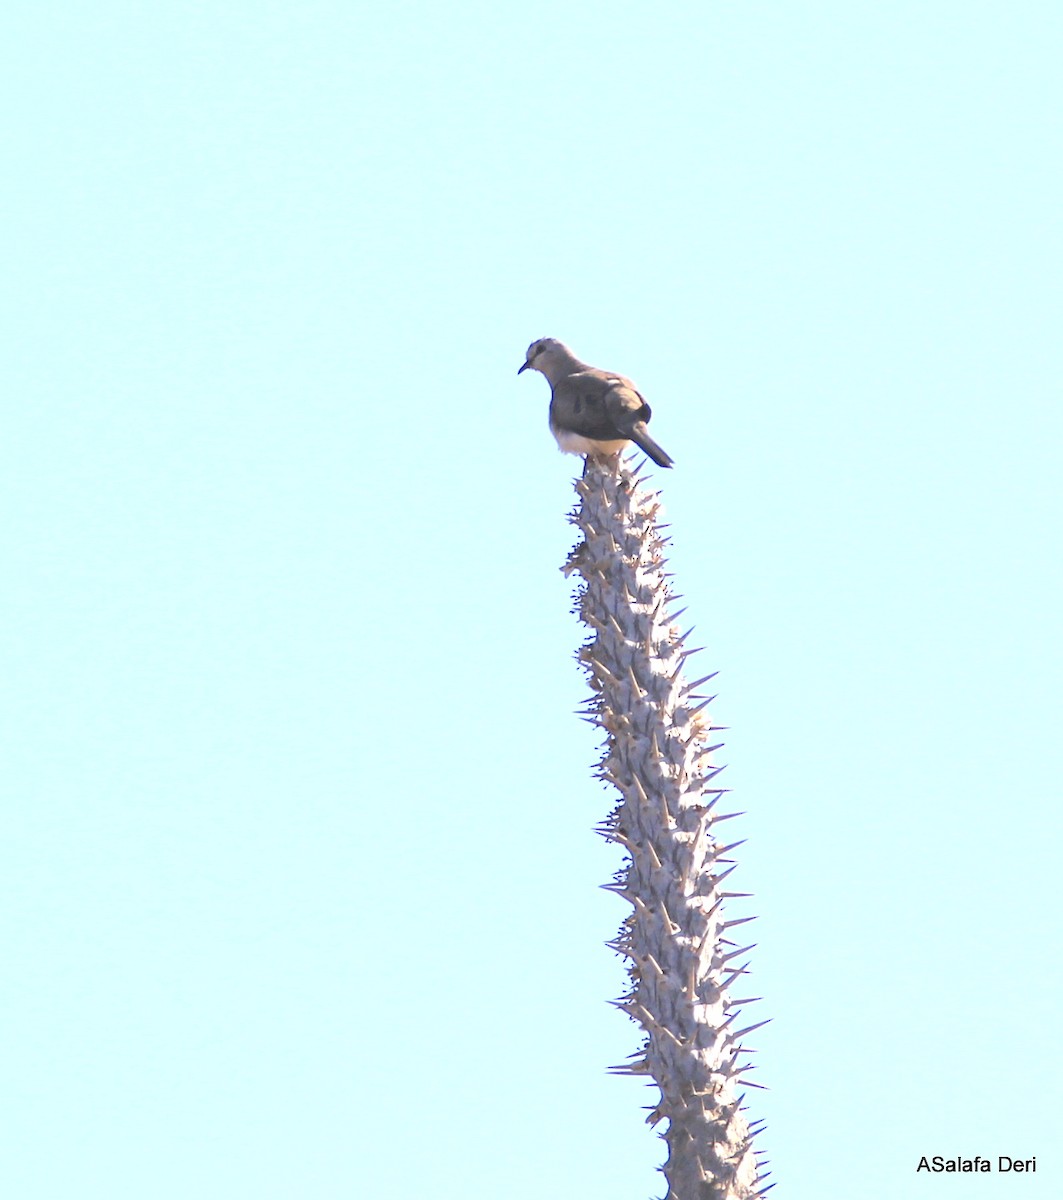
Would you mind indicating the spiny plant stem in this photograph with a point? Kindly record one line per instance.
(683, 964)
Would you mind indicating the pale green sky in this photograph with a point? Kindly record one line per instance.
(301, 885)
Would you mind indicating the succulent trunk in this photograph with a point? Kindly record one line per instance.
(685, 960)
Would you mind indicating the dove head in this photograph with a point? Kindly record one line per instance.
(553, 358)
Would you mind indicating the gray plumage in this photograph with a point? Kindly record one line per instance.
(591, 411)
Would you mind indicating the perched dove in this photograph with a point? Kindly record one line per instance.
(591, 411)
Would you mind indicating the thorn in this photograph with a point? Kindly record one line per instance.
(749, 1028)
(614, 835)
(742, 970)
(739, 921)
(698, 682)
(655, 964)
(703, 941)
(650, 1022)
(666, 816)
(721, 850)
(717, 817)
(619, 946)
(597, 666)
(742, 1072)
(713, 773)
(726, 958)
(619, 889)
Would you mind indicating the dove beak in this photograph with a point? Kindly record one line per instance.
(524, 368)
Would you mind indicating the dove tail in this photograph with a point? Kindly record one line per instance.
(645, 443)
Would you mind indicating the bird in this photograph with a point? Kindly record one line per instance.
(592, 412)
